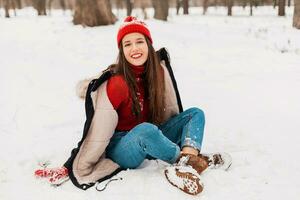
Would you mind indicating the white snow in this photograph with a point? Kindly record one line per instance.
(244, 72)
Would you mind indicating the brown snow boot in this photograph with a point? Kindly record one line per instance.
(221, 160)
(199, 163)
(185, 173)
(184, 178)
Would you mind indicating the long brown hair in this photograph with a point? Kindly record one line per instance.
(153, 81)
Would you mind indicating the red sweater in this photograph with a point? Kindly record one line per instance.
(119, 95)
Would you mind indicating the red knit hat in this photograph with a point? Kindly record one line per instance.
(131, 25)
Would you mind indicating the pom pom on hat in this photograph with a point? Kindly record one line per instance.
(131, 25)
(129, 19)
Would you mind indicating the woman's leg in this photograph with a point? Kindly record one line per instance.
(130, 149)
(186, 129)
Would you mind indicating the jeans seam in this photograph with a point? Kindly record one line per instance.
(189, 126)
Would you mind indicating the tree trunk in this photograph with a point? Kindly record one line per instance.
(229, 6)
(274, 3)
(93, 13)
(129, 6)
(161, 9)
(62, 3)
(281, 8)
(119, 4)
(178, 5)
(205, 6)
(6, 8)
(70, 4)
(40, 6)
(244, 4)
(251, 7)
(296, 18)
(185, 7)
(19, 4)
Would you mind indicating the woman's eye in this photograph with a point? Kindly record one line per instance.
(126, 45)
(140, 42)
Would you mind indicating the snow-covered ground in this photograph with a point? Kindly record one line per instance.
(244, 72)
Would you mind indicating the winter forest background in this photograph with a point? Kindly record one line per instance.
(238, 60)
(99, 12)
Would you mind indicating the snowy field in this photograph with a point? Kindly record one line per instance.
(244, 72)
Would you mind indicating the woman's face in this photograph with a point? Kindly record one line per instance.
(135, 48)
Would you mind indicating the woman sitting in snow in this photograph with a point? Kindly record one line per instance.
(136, 114)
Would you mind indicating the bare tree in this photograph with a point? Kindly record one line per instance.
(40, 6)
(275, 2)
(62, 3)
(161, 9)
(178, 5)
(205, 6)
(185, 7)
(129, 6)
(281, 7)
(216, 3)
(93, 13)
(296, 18)
(244, 3)
(6, 7)
(8, 4)
(70, 4)
(251, 7)
(18, 4)
(229, 6)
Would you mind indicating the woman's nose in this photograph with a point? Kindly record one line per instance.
(134, 46)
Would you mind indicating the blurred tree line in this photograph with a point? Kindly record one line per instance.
(99, 12)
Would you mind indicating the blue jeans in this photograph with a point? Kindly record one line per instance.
(164, 142)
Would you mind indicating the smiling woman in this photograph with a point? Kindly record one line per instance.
(134, 113)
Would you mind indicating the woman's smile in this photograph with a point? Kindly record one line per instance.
(136, 55)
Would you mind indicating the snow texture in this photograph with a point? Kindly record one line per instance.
(244, 72)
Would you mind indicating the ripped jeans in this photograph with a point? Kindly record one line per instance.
(164, 142)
